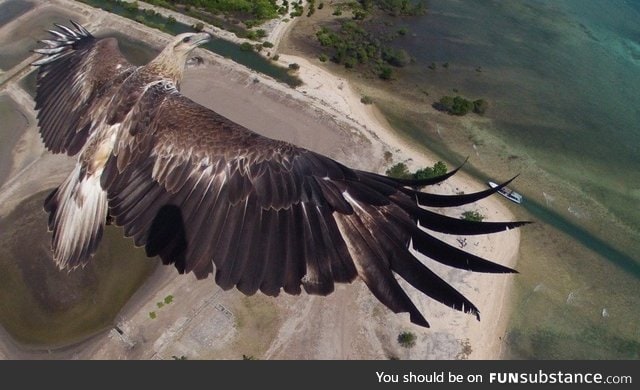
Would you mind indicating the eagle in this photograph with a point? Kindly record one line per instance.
(212, 197)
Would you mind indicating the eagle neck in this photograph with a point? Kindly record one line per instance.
(168, 66)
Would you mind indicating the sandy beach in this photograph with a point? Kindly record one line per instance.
(325, 115)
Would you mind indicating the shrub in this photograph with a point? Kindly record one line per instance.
(438, 169)
(366, 100)
(454, 105)
(323, 58)
(198, 26)
(399, 171)
(398, 58)
(267, 44)
(350, 62)
(246, 46)
(386, 73)
(473, 216)
(461, 106)
(407, 339)
(480, 106)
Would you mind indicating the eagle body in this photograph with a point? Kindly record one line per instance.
(212, 197)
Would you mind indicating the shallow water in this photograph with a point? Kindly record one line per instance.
(17, 44)
(14, 123)
(562, 80)
(11, 9)
(43, 307)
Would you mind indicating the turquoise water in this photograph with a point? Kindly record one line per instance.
(562, 80)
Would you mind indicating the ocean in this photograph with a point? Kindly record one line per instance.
(562, 80)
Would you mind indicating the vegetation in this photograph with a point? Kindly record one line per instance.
(198, 26)
(246, 46)
(259, 10)
(152, 315)
(473, 216)
(352, 44)
(401, 171)
(480, 106)
(407, 339)
(181, 357)
(366, 100)
(438, 169)
(460, 106)
(360, 43)
(399, 7)
(168, 299)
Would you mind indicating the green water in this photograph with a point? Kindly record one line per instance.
(562, 81)
(43, 307)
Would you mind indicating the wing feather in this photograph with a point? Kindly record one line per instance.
(75, 71)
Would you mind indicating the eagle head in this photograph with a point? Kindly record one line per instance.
(184, 43)
(171, 61)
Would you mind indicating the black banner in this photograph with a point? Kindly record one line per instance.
(322, 374)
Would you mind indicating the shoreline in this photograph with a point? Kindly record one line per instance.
(334, 99)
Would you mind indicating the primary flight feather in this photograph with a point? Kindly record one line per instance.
(210, 196)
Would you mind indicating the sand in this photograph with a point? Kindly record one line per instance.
(325, 115)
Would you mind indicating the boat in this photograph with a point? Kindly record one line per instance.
(507, 193)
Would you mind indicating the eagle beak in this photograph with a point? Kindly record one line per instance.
(201, 38)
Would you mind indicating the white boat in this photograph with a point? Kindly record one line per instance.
(507, 193)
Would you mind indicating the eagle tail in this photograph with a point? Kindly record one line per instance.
(77, 215)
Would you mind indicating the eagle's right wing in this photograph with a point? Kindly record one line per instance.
(211, 196)
(72, 76)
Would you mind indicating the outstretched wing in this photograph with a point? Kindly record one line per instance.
(75, 71)
(208, 195)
